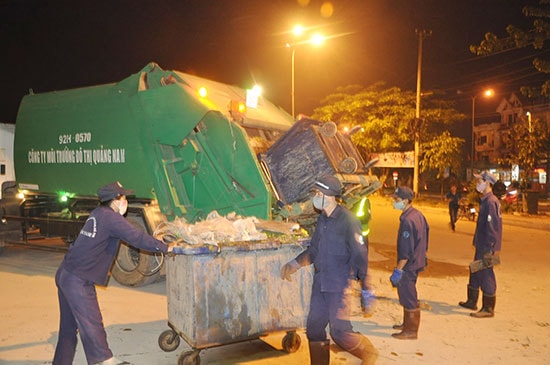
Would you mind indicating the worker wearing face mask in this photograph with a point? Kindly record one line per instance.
(412, 245)
(88, 263)
(487, 243)
(339, 255)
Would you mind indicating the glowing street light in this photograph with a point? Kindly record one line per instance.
(487, 93)
(315, 40)
(298, 30)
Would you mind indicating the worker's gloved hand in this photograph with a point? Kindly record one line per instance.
(395, 277)
(288, 269)
(367, 300)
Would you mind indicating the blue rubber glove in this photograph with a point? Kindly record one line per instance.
(396, 277)
(367, 300)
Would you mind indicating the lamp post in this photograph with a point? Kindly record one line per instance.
(487, 93)
(292, 83)
(316, 40)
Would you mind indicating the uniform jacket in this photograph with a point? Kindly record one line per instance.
(90, 257)
(337, 250)
(488, 233)
(412, 239)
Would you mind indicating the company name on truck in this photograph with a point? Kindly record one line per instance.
(79, 155)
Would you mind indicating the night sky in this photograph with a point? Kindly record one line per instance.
(57, 44)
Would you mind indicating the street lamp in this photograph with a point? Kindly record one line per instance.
(487, 93)
(316, 40)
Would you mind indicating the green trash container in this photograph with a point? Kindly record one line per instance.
(532, 198)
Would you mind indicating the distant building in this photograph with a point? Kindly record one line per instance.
(493, 130)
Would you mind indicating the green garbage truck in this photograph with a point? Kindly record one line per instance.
(185, 144)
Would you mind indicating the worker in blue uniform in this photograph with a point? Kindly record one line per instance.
(412, 246)
(87, 263)
(453, 197)
(487, 243)
(339, 255)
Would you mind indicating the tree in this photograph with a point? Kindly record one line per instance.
(442, 153)
(519, 38)
(385, 117)
(527, 143)
(529, 139)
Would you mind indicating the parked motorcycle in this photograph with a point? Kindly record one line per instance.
(466, 210)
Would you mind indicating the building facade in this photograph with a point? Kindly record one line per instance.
(493, 132)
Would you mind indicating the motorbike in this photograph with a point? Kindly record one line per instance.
(512, 196)
(466, 210)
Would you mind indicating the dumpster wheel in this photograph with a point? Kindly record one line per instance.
(169, 340)
(329, 129)
(190, 358)
(291, 342)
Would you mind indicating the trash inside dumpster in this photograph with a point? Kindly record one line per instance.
(234, 295)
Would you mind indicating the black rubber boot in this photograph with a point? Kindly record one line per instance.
(319, 352)
(471, 303)
(411, 322)
(365, 351)
(488, 308)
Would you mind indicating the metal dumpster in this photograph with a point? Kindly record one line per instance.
(234, 295)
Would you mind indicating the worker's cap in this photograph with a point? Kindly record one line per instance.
(112, 191)
(404, 192)
(328, 185)
(487, 176)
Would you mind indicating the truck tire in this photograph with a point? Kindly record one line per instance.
(133, 267)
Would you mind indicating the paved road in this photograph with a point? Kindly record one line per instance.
(134, 317)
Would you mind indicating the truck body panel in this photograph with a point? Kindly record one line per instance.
(6, 153)
(162, 141)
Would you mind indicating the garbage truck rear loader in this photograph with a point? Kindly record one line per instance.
(183, 143)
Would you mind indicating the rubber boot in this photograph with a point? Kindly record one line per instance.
(471, 303)
(402, 325)
(319, 352)
(365, 351)
(488, 308)
(411, 322)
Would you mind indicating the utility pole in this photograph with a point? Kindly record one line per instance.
(416, 126)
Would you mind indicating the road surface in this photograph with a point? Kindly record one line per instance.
(134, 317)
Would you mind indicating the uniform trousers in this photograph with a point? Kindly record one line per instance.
(333, 309)
(79, 313)
(484, 279)
(406, 290)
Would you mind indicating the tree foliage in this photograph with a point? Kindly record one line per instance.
(385, 121)
(527, 143)
(520, 38)
(386, 116)
(442, 153)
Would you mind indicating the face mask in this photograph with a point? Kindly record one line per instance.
(319, 202)
(122, 206)
(400, 205)
(481, 186)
